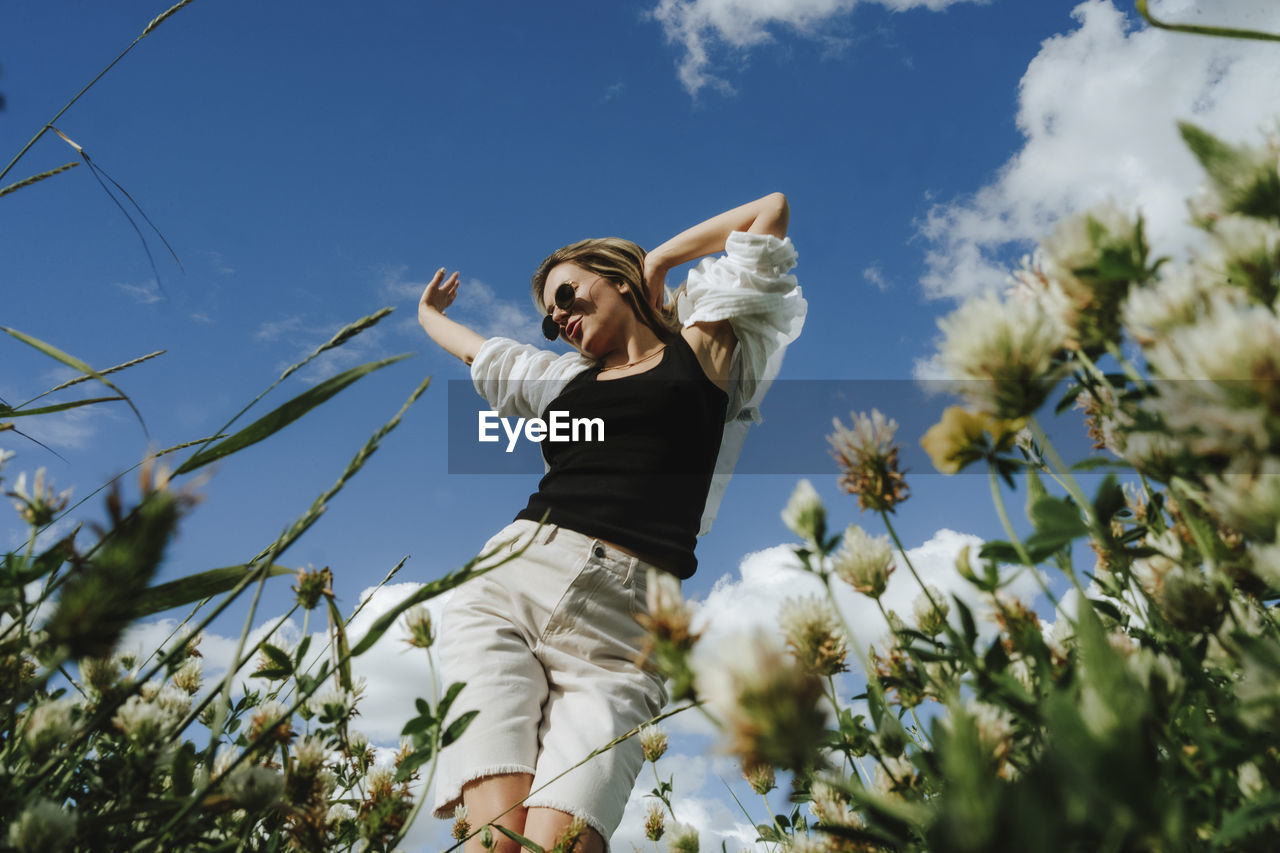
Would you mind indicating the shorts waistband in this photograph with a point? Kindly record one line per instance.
(546, 534)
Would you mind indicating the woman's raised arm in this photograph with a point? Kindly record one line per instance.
(767, 215)
(454, 337)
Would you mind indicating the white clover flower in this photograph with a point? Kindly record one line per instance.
(894, 775)
(252, 787)
(39, 505)
(831, 807)
(653, 743)
(812, 630)
(1248, 497)
(804, 513)
(173, 700)
(930, 609)
(339, 812)
(1249, 778)
(995, 729)
(768, 704)
(820, 843)
(310, 753)
(682, 838)
(1220, 378)
(142, 722)
(1265, 562)
(43, 827)
(1076, 241)
(654, 822)
(1181, 297)
(1003, 351)
(864, 561)
(190, 676)
(51, 723)
(335, 704)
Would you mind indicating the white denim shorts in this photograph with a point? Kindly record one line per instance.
(547, 645)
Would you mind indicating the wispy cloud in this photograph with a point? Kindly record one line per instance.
(1097, 109)
(705, 28)
(477, 305)
(147, 293)
(874, 275)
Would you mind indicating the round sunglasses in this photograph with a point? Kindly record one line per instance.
(565, 294)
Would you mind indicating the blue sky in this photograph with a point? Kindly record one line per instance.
(313, 162)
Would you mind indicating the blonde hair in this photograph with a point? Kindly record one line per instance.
(619, 261)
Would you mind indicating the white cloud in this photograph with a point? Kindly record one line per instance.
(147, 293)
(703, 28)
(874, 275)
(477, 305)
(1097, 109)
(305, 337)
(749, 604)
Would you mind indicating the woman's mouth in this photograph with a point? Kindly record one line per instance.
(571, 328)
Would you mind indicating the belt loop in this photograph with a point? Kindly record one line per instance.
(550, 533)
(629, 580)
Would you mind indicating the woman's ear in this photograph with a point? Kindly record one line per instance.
(623, 287)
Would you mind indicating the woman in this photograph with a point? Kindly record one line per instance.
(547, 642)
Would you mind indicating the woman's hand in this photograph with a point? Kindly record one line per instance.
(655, 279)
(454, 337)
(439, 294)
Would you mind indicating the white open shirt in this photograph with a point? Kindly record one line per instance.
(749, 285)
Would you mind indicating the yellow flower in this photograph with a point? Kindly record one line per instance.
(961, 437)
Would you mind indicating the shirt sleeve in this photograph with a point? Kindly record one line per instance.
(521, 380)
(751, 287)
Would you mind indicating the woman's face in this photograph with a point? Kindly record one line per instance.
(597, 321)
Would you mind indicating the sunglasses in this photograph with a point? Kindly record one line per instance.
(565, 294)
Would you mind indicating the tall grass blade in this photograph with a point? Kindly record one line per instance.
(195, 588)
(162, 17)
(344, 334)
(157, 21)
(284, 415)
(1196, 29)
(71, 361)
(84, 378)
(35, 179)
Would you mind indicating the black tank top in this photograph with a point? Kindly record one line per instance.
(645, 485)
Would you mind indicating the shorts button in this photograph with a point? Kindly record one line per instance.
(599, 551)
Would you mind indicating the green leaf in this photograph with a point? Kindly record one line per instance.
(301, 651)
(5, 411)
(273, 673)
(456, 728)
(1035, 491)
(195, 588)
(1094, 462)
(1057, 522)
(277, 656)
(519, 839)
(1245, 178)
(344, 648)
(1109, 499)
(1248, 818)
(449, 695)
(419, 725)
(184, 768)
(284, 415)
(71, 361)
(413, 761)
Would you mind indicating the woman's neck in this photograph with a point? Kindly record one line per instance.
(640, 343)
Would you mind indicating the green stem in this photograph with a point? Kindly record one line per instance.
(997, 497)
(1194, 29)
(884, 515)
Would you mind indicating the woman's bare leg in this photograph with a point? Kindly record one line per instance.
(547, 826)
(489, 797)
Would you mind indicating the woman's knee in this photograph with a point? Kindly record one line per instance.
(548, 827)
(497, 800)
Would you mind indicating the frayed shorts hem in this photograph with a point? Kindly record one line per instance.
(445, 805)
(536, 802)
